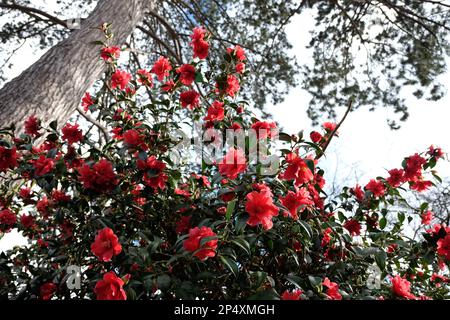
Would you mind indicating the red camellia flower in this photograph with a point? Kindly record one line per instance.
(435, 152)
(145, 78)
(110, 54)
(132, 139)
(161, 68)
(294, 200)
(332, 289)
(71, 133)
(43, 165)
(396, 177)
(32, 126)
(87, 101)
(420, 185)
(7, 219)
(187, 74)
(427, 217)
(353, 226)
(190, 99)
(154, 176)
(240, 67)
(237, 52)
(120, 79)
(229, 86)
(376, 187)
(315, 136)
(443, 247)
(264, 129)
(110, 288)
(27, 221)
(106, 245)
(233, 163)
(192, 243)
(216, 112)
(414, 166)
(183, 225)
(8, 158)
(401, 288)
(47, 290)
(329, 126)
(358, 192)
(168, 86)
(326, 237)
(291, 295)
(297, 170)
(100, 177)
(199, 44)
(261, 209)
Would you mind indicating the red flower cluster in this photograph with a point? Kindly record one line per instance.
(376, 187)
(106, 245)
(332, 289)
(353, 226)
(443, 247)
(32, 126)
(297, 170)
(229, 86)
(110, 288)
(401, 288)
(120, 79)
(264, 129)
(7, 220)
(161, 68)
(233, 163)
(190, 99)
(109, 54)
(133, 139)
(201, 251)
(100, 177)
(260, 207)
(187, 74)
(199, 43)
(72, 134)
(47, 290)
(154, 176)
(294, 200)
(216, 112)
(291, 295)
(8, 158)
(145, 78)
(43, 165)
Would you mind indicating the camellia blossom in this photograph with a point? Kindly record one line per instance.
(120, 79)
(110, 288)
(443, 247)
(106, 245)
(8, 158)
(145, 78)
(396, 177)
(261, 209)
(264, 129)
(32, 126)
(414, 166)
(427, 217)
(233, 163)
(294, 200)
(72, 133)
(358, 192)
(402, 288)
(216, 112)
(193, 243)
(132, 139)
(420, 185)
(154, 176)
(43, 165)
(326, 237)
(291, 295)
(161, 68)
(229, 86)
(315, 136)
(199, 45)
(87, 101)
(190, 99)
(7, 219)
(100, 177)
(109, 54)
(332, 289)
(353, 226)
(237, 52)
(47, 290)
(297, 170)
(187, 74)
(376, 187)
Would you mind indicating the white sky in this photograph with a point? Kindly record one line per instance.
(366, 146)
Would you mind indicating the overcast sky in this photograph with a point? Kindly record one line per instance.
(366, 147)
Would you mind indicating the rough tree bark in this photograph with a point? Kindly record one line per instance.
(53, 86)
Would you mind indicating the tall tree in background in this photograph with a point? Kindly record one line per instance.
(404, 42)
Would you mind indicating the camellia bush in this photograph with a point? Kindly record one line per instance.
(122, 219)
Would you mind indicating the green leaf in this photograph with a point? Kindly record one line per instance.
(230, 264)
(380, 259)
(294, 280)
(163, 281)
(230, 209)
(383, 222)
(269, 294)
(306, 227)
(243, 244)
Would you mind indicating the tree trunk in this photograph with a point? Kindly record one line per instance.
(52, 87)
